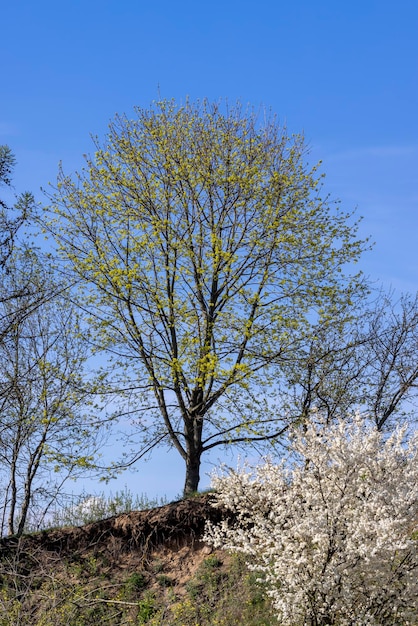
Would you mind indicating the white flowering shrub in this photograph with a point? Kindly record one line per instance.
(333, 530)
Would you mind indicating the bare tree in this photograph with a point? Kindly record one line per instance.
(367, 362)
(391, 355)
(11, 218)
(47, 430)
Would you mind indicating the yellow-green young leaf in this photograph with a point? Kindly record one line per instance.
(204, 249)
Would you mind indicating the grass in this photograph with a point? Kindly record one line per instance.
(222, 592)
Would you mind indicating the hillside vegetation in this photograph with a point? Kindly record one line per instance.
(144, 567)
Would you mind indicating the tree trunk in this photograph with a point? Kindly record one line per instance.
(13, 488)
(25, 506)
(193, 427)
(191, 483)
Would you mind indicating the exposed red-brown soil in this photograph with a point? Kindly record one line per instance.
(170, 535)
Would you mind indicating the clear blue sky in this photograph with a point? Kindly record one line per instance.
(344, 73)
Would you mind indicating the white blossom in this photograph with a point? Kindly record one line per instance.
(335, 531)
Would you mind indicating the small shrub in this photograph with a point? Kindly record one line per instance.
(146, 609)
(212, 562)
(136, 582)
(164, 581)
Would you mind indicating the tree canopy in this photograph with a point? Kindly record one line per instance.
(205, 249)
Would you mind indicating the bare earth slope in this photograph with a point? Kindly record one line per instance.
(144, 567)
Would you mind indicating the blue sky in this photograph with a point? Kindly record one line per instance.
(343, 73)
